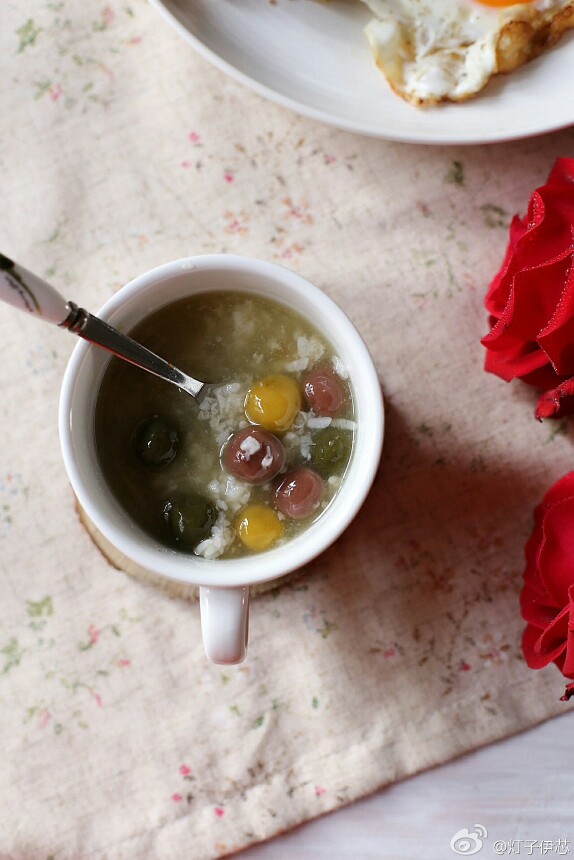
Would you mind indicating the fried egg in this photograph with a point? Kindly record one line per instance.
(433, 51)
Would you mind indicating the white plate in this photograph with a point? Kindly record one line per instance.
(313, 58)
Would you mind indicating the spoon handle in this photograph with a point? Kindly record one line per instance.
(95, 330)
(27, 292)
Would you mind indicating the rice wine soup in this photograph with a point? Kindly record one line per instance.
(259, 458)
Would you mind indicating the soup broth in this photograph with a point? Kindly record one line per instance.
(263, 453)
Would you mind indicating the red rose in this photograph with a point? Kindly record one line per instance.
(531, 299)
(547, 599)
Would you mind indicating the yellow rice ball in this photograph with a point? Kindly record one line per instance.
(258, 527)
(273, 402)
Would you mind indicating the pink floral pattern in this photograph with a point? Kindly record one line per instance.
(126, 149)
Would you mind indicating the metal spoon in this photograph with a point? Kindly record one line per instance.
(27, 292)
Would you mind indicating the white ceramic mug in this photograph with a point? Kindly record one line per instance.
(223, 583)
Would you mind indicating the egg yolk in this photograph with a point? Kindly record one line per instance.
(258, 527)
(502, 2)
(273, 402)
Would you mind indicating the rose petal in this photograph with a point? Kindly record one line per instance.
(567, 665)
(497, 295)
(511, 360)
(549, 240)
(557, 338)
(557, 402)
(537, 294)
(556, 557)
(562, 172)
(530, 309)
(533, 590)
(547, 597)
(531, 299)
(546, 647)
(558, 492)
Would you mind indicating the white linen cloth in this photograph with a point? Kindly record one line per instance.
(397, 649)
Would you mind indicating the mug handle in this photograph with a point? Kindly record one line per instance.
(224, 623)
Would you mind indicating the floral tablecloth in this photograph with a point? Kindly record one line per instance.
(398, 648)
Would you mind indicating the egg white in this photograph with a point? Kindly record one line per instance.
(447, 50)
